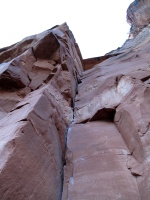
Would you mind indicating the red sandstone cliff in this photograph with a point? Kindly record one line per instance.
(38, 84)
(75, 129)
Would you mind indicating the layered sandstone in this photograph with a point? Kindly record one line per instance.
(75, 129)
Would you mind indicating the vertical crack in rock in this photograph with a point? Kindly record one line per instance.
(37, 95)
(73, 133)
(67, 159)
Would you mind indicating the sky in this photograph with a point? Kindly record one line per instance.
(99, 26)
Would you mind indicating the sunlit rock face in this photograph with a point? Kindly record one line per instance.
(108, 154)
(138, 15)
(38, 83)
(75, 129)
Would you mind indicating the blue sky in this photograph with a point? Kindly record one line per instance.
(99, 26)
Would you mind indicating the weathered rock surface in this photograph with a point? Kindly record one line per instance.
(108, 155)
(99, 158)
(38, 83)
(138, 15)
(76, 129)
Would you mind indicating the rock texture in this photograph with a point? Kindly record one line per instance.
(75, 129)
(108, 155)
(138, 15)
(38, 83)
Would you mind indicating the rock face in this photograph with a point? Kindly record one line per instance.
(108, 155)
(75, 129)
(38, 83)
(138, 15)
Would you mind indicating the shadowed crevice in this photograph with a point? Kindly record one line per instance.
(104, 114)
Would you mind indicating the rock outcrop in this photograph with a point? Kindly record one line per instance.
(108, 142)
(38, 84)
(75, 129)
(138, 15)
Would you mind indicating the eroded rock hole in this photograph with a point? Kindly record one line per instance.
(104, 114)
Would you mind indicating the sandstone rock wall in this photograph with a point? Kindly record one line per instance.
(38, 84)
(76, 129)
(108, 142)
